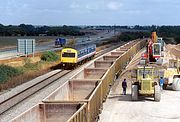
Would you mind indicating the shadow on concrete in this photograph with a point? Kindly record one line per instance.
(120, 97)
(168, 88)
(114, 96)
(127, 97)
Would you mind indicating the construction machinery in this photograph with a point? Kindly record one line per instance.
(153, 50)
(172, 75)
(147, 77)
(161, 41)
(145, 83)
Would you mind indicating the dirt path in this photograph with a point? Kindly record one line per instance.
(120, 108)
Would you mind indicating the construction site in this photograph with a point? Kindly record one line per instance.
(119, 107)
(94, 92)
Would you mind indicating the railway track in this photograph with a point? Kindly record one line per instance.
(18, 97)
(7, 103)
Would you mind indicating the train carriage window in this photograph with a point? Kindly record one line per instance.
(80, 53)
(84, 52)
(89, 49)
(92, 49)
(68, 55)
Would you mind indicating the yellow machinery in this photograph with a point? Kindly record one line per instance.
(172, 75)
(145, 84)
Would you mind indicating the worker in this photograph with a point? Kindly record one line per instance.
(161, 82)
(124, 86)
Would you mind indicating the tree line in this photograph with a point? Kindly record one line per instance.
(169, 33)
(30, 30)
(126, 36)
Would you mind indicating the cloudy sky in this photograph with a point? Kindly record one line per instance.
(90, 12)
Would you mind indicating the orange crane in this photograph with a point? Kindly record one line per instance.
(153, 49)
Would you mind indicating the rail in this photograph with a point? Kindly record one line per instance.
(7, 103)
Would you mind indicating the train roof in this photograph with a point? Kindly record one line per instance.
(82, 46)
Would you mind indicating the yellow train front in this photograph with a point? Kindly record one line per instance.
(71, 57)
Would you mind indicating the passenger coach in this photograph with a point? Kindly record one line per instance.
(77, 54)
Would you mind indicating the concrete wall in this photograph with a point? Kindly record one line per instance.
(90, 73)
(62, 93)
(50, 112)
(73, 90)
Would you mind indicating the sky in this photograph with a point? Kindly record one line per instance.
(90, 12)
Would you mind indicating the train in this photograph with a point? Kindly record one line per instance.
(72, 56)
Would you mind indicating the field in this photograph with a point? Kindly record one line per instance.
(6, 42)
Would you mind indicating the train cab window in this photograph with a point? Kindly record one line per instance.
(68, 55)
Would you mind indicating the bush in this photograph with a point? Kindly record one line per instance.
(127, 36)
(6, 72)
(31, 66)
(49, 56)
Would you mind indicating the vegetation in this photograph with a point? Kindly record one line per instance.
(126, 36)
(30, 30)
(13, 76)
(171, 34)
(30, 66)
(7, 72)
(49, 56)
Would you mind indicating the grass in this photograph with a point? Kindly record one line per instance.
(49, 56)
(22, 78)
(7, 72)
(11, 77)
